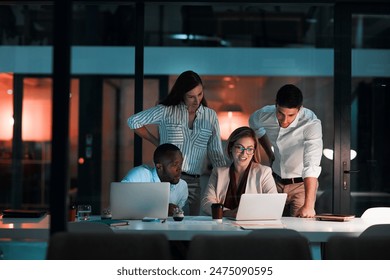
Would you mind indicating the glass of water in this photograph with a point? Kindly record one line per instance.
(83, 212)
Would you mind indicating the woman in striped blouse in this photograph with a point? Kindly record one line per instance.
(184, 120)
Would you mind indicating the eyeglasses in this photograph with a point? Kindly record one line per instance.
(240, 149)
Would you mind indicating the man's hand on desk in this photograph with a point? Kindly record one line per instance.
(306, 212)
(171, 208)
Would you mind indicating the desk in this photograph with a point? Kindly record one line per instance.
(316, 232)
(24, 239)
(25, 228)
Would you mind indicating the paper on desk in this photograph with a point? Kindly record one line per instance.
(259, 224)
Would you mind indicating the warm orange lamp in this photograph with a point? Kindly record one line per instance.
(230, 117)
(36, 119)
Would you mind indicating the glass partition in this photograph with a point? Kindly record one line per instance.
(243, 51)
(370, 96)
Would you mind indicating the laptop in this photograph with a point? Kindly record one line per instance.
(261, 206)
(135, 201)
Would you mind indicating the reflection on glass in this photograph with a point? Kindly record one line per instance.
(370, 31)
(328, 153)
(239, 25)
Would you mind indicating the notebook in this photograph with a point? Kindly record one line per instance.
(257, 207)
(334, 217)
(134, 201)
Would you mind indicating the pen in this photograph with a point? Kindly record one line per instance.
(119, 224)
(155, 220)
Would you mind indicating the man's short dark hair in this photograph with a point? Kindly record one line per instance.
(289, 96)
(163, 150)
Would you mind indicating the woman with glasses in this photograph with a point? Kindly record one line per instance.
(244, 175)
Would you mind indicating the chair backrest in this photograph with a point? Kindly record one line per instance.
(372, 244)
(275, 244)
(107, 246)
(377, 230)
(357, 248)
(377, 215)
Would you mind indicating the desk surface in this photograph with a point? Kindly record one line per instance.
(25, 228)
(315, 231)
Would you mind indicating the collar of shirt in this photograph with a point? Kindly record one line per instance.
(183, 106)
(155, 175)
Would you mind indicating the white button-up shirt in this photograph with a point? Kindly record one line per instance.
(297, 148)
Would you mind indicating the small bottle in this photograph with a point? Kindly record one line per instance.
(72, 212)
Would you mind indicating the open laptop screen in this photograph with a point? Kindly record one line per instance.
(265, 206)
(133, 201)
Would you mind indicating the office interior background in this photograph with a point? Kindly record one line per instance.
(126, 55)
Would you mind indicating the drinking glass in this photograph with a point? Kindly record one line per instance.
(83, 212)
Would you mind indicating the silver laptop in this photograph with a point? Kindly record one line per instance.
(264, 206)
(134, 201)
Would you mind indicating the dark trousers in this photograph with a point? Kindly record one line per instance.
(193, 194)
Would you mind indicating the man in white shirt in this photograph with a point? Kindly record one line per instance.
(168, 161)
(291, 136)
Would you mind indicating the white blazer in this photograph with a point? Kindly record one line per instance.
(260, 180)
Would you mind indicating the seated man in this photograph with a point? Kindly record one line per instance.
(168, 160)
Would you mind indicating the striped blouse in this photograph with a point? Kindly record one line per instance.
(195, 144)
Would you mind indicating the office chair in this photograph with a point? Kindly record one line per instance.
(372, 244)
(357, 248)
(267, 244)
(377, 215)
(377, 230)
(107, 246)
